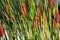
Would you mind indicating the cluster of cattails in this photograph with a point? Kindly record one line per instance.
(29, 20)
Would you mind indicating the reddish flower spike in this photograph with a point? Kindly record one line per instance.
(23, 10)
(1, 31)
(35, 21)
(45, 18)
(50, 2)
(6, 8)
(57, 17)
(53, 23)
(38, 11)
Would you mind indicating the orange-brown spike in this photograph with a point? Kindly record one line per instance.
(6, 8)
(38, 11)
(1, 31)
